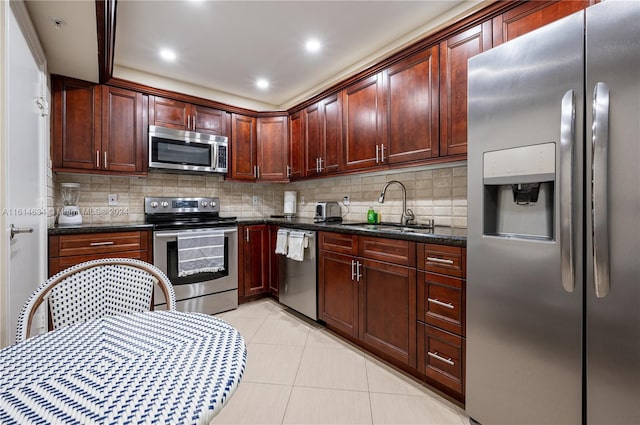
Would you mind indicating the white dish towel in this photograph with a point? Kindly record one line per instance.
(200, 252)
(282, 241)
(298, 241)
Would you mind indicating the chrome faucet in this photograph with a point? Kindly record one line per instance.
(407, 217)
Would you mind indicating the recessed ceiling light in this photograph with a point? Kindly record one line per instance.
(262, 83)
(312, 45)
(168, 55)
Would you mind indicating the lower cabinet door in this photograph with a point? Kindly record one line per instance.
(338, 292)
(441, 359)
(389, 309)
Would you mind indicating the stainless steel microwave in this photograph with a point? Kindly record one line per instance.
(187, 150)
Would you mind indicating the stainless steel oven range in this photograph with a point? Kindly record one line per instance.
(204, 292)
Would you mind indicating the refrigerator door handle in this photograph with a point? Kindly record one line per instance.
(599, 184)
(567, 140)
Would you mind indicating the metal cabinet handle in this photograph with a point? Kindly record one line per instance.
(105, 159)
(353, 270)
(440, 260)
(377, 155)
(567, 140)
(440, 303)
(599, 185)
(188, 122)
(13, 230)
(97, 159)
(193, 122)
(288, 171)
(358, 274)
(442, 359)
(101, 243)
(382, 153)
(246, 233)
(320, 160)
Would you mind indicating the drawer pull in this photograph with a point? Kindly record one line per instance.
(440, 303)
(101, 243)
(440, 260)
(442, 359)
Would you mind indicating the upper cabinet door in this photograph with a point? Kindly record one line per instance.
(124, 127)
(208, 120)
(363, 123)
(454, 53)
(314, 144)
(332, 133)
(76, 124)
(272, 149)
(296, 146)
(168, 113)
(243, 148)
(411, 94)
(532, 15)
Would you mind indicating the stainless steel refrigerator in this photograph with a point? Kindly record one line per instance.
(553, 252)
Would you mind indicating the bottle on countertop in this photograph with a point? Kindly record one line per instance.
(371, 216)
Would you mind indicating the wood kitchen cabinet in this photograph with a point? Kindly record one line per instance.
(68, 250)
(244, 147)
(259, 148)
(254, 257)
(441, 295)
(296, 163)
(323, 136)
(272, 149)
(454, 54)
(364, 124)
(98, 129)
(411, 97)
(274, 263)
(179, 115)
(528, 16)
(367, 290)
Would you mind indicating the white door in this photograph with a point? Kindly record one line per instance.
(24, 178)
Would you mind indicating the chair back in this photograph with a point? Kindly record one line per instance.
(95, 289)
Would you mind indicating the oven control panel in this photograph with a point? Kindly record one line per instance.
(165, 205)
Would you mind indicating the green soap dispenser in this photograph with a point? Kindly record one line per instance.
(371, 215)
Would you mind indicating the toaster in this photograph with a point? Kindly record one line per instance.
(328, 211)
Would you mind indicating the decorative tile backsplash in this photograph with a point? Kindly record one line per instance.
(438, 193)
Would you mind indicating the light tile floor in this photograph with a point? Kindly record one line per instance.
(299, 373)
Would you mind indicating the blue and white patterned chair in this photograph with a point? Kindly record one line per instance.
(94, 289)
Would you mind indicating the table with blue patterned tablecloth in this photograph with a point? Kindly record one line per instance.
(164, 367)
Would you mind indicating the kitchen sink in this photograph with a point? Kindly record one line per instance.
(391, 227)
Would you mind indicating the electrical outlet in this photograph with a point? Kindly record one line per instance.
(255, 200)
(113, 199)
(346, 200)
(302, 200)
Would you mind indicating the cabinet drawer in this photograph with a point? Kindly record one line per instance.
(441, 357)
(388, 250)
(98, 243)
(441, 302)
(338, 242)
(449, 260)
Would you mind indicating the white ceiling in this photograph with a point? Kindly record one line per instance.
(224, 46)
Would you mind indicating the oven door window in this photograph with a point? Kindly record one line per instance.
(172, 266)
(176, 152)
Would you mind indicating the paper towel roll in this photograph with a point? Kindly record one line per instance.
(290, 198)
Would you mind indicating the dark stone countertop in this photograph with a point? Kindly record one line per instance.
(98, 228)
(442, 235)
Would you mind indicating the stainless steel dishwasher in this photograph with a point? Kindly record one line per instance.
(298, 288)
